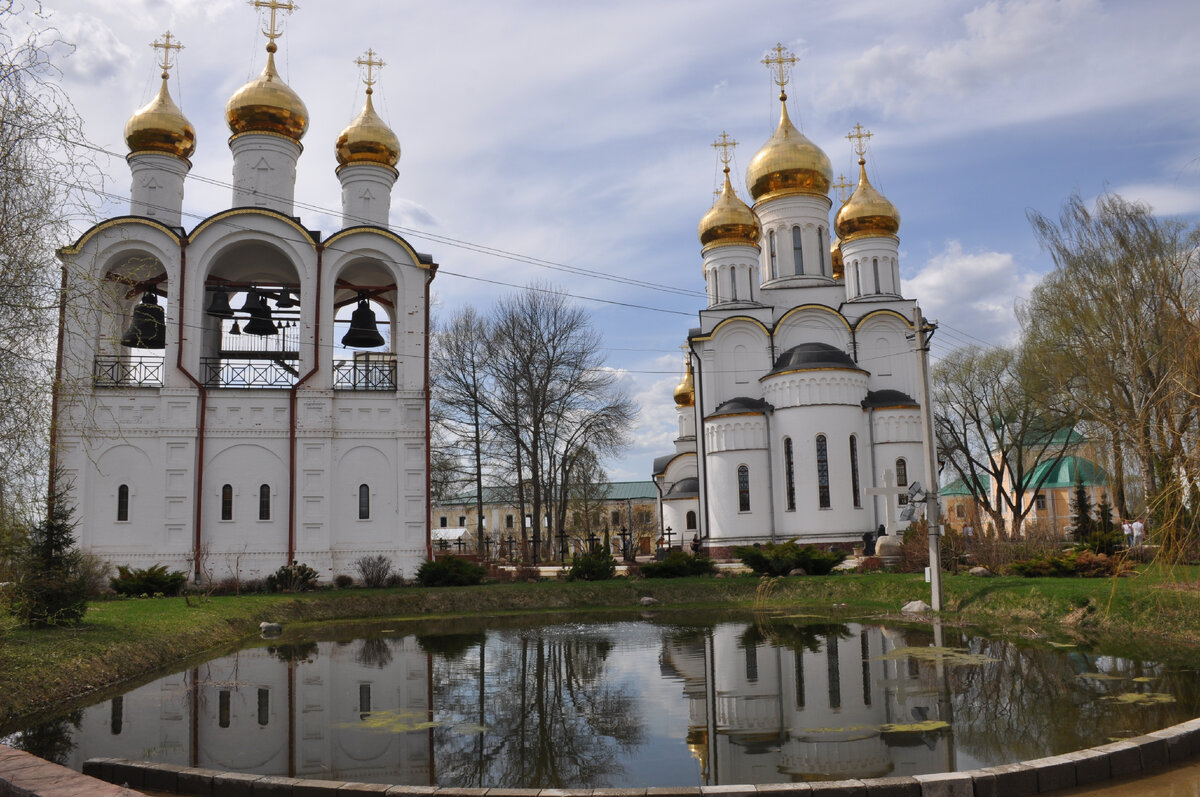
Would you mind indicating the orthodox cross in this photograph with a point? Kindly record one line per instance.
(887, 490)
(273, 31)
(166, 45)
(371, 63)
(725, 144)
(780, 63)
(842, 186)
(859, 136)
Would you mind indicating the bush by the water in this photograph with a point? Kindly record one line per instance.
(150, 581)
(449, 571)
(779, 559)
(596, 566)
(1084, 564)
(373, 570)
(679, 564)
(296, 577)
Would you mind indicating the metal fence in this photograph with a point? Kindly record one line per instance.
(364, 374)
(109, 371)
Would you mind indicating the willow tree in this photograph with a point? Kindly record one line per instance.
(1112, 330)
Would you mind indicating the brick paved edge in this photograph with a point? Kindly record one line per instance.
(26, 775)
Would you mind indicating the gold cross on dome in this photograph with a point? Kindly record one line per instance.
(842, 185)
(725, 144)
(273, 31)
(166, 45)
(780, 63)
(371, 63)
(859, 136)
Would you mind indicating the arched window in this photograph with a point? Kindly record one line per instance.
(733, 285)
(264, 502)
(743, 488)
(902, 479)
(854, 491)
(227, 502)
(822, 251)
(123, 503)
(364, 502)
(771, 250)
(822, 472)
(875, 268)
(789, 469)
(691, 521)
(797, 251)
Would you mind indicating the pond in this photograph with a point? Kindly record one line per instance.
(662, 700)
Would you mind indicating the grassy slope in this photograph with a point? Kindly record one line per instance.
(125, 639)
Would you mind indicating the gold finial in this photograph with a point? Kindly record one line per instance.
(166, 45)
(371, 63)
(780, 63)
(842, 186)
(859, 136)
(725, 144)
(272, 31)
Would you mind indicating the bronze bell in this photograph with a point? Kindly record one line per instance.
(148, 330)
(260, 322)
(219, 306)
(285, 300)
(363, 333)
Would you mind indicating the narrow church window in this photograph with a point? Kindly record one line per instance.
(123, 503)
(223, 708)
(902, 479)
(691, 521)
(751, 662)
(508, 521)
(797, 251)
(875, 268)
(364, 701)
(264, 706)
(774, 259)
(227, 502)
(264, 502)
(789, 468)
(822, 472)
(743, 488)
(833, 671)
(364, 502)
(866, 667)
(117, 720)
(822, 251)
(854, 492)
(733, 285)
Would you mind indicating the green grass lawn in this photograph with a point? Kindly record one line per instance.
(1156, 611)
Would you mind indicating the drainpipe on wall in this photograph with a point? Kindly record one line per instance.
(770, 476)
(702, 463)
(198, 500)
(428, 429)
(292, 395)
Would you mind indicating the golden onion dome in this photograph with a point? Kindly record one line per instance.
(267, 105)
(368, 139)
(685, 391)
(729, 221)
(788, 164)
(867, 213)
(161, 127)
(835, 257)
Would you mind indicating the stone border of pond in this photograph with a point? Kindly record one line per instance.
(1128, 758)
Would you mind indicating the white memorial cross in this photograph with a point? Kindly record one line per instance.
(887, 491)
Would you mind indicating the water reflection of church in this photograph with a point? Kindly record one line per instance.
(789, 704)
(354, 711)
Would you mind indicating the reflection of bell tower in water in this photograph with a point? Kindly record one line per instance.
(807, 704)
(268, 401)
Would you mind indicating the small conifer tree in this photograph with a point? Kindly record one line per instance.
(50, 589)
(1081, 507)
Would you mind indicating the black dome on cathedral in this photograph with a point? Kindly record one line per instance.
(740, 406)
(888, 398)
(685, 488)
(811, 356)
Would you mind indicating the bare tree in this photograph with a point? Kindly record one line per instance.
(993, 432)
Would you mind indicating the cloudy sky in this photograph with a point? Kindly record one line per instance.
(572, 140)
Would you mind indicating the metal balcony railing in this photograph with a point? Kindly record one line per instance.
(365, 374)
(248, 373)
(110, 371)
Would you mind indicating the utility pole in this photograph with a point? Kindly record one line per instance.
(924, 331)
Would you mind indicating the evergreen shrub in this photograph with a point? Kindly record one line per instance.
(596, 566)
(151, 581)
(449, 571)
(679, 564)
(51, 588)
(296, 577)
(779, 559)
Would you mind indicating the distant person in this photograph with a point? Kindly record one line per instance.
(1127, 528)
(1139, 532)
(695, 543)
(968, 530)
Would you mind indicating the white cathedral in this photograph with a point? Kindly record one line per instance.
(796, 414)
(229, 401)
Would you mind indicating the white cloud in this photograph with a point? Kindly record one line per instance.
(1165, 200)
(972, 294)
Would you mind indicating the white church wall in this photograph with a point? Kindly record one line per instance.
(812, 324)
(738, 353)
(733, 442)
